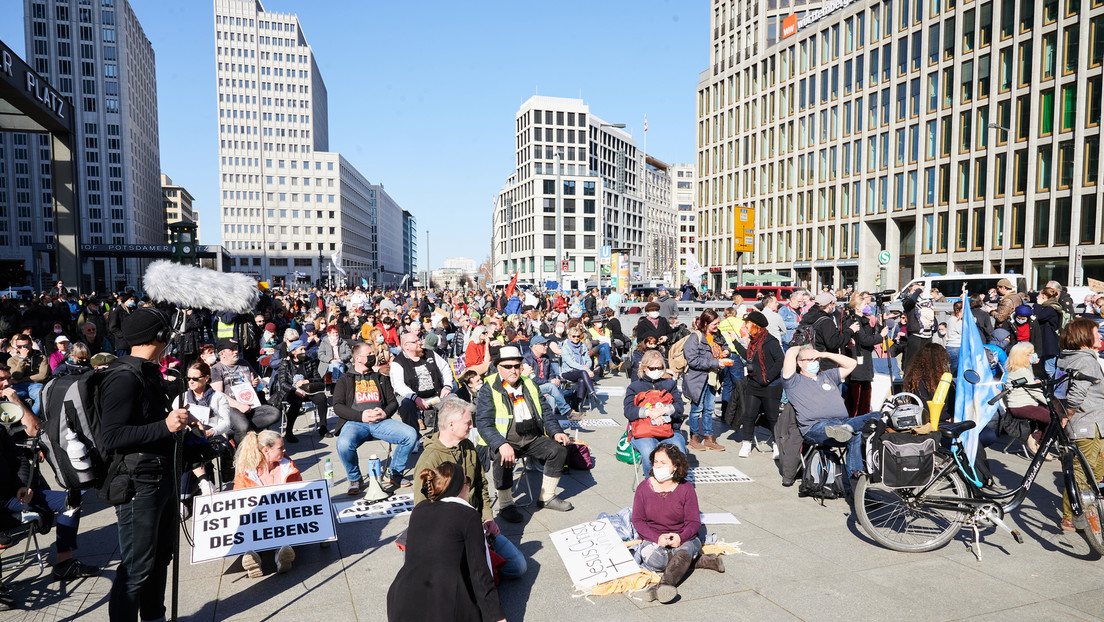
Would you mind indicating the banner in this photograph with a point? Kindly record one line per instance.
(593, 553)
(336, 259)
(260, 519)
(362, 509)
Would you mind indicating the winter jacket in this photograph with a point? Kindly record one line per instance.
(1005, 308)
(667, 306)
(827, 336)
(542, 368)
(485, 413)
(645, 328)
(285, 377)
(1049, 323)
(699, 362)
(434, 453)
(862, 350)
(326, 354)
(1085, 400)
(33, 368)
(220, 409)
(249, 478)
(574, 356)
(792, 319)
(764, 364)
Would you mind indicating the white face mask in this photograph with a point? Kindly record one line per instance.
(559, 330)
(655, 374)
(653, 314)
(379, 339)
(210, 360)
(662, 474)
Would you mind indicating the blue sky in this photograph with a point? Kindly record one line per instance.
(422, 95)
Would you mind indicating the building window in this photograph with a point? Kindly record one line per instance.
(1019, 213)
(1042, 224)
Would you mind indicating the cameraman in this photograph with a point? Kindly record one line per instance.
(137, 428)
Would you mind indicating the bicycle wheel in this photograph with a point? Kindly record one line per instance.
(1091, 504)
(898, 520)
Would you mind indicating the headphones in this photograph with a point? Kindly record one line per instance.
(165, 332)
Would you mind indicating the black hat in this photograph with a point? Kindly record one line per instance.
(757, 318)
(226, 344)
(142, 326)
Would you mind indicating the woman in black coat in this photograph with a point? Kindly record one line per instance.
(446, 576)
(763, 392)
(652, 324)
(861, 349)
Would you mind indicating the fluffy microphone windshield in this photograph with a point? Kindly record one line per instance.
(199, 288)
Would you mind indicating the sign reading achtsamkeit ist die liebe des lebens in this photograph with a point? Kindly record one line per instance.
(260, 519)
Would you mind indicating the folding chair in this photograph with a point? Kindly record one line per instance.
(524, 463)
(634, 453)
(28, 528)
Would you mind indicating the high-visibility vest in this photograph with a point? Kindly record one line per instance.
(224, 331)
(504, 413)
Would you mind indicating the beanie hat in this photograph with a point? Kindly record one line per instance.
(270, 327)
(1023, 311)
(430, 342)
(141, 327)
(757, 318)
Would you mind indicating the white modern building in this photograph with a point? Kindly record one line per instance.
(287, 203)
(682, 195)
(576, 189)
(661, 222)
(177, 202)
(954, 136)
(96, 55)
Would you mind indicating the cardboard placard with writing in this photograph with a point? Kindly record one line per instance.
(260, 519)
(593, 553)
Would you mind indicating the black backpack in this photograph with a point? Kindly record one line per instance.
(823, 477)
(805, 334)
(72, 403)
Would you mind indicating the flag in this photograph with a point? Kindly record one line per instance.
(971, 400)
(336, 259)
(363, 282)
(694, 271)
(511, 286)
(645, 123)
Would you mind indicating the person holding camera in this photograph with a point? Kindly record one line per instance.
(137, 430)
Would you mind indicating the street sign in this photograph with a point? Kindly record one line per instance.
(564, 266)
(606, 256)
(884, 257)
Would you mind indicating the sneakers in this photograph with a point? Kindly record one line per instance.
(511, 514)
(206, 487)
(74, 569)
(394, 482)
(252, 564)
(555, 503)
(354, 488)
(776, 455)
(284, 557)
(841, 433)
(745, 449)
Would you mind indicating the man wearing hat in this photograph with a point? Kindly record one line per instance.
(1009, 300)
(234, 380)
(827, 336)
(515, 422)
(538, 368)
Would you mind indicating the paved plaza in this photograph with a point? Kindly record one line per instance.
(806, 561)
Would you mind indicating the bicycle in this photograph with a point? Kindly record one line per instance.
(916, 520)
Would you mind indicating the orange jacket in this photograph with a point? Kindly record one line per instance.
(250, 478)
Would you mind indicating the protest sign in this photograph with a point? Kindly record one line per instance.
(262, 518)
(593, 553)
(353, 511)
(716, 475)
(590, 423)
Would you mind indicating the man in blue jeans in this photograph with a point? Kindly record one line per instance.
(451, 444)
(821, 414)
(365, 401)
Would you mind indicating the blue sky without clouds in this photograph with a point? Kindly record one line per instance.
(422, 95)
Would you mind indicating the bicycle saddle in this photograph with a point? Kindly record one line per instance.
(955, 428)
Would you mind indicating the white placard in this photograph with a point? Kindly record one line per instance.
(593, 553)
(246, 394)
(590, 423)
(202, 413)
(719, 518)
(353, 511)
(261, 518)
(610, 391)
(716, 475)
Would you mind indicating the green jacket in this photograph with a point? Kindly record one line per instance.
(434, 453)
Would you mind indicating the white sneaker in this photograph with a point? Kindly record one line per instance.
(284, 559)
(776, 456)
(206, 487)
(745, 449)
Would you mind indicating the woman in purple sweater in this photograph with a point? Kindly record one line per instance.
(665, 514)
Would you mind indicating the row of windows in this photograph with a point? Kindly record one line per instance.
(272, 246)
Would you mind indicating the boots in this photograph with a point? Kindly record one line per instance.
(710, 562)
(676, 569)
(712, 444)
(695, 443)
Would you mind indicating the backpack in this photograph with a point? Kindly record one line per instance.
(676, 358)
(805, 334)
(72, 404)
(823, 477)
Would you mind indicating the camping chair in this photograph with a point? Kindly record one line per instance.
(634, 453)
(30, 524)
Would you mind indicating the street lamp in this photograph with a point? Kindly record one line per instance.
(320, 260)
(1004, 217)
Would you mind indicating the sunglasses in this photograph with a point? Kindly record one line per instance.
(654, 368)
(195, 378)
(511, 366)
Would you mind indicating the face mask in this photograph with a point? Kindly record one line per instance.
(868, 310)
(942, 333)
(131, 305)
(57, 331)
(1034, 358)
(300, 357)
(369, 361)
(559, 330)
(379, 339)
(649, 347)
(655, 374)
(1021, 320)
(812, 367)
(210, 360)
(662, 474)
(653, 314)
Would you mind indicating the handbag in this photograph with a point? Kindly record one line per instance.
(626, 452)
(579, 456)
(644, 428)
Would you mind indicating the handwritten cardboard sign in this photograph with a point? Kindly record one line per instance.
(260, 519)
(593, 553)
(716, 475)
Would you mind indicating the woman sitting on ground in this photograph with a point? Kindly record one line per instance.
(665, 515)
(654, 408)
(261, 461)
(446, 575)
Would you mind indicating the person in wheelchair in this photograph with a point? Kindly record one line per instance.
(821, 413)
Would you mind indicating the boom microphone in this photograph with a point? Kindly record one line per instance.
(200, 288)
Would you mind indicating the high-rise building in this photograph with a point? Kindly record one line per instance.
(954, 137)
(575, 189)
(97, 55)
(682, 195)
(390, 238)
(177, 202)
(287, 203)
(410, 244)
(660, 218)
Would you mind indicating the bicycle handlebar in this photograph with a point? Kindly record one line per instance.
(1053, 384)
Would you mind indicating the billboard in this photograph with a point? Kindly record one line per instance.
(743, 230)
(789, 26)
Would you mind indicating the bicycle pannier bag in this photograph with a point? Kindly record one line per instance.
(908, 461)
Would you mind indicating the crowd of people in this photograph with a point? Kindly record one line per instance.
(464, 385)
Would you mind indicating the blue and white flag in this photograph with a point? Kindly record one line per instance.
(971, 400)
(363, 282)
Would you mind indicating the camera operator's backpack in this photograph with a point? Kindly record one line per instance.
(72, 404)
(805, 334)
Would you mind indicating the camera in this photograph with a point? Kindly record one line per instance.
(882, 297)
